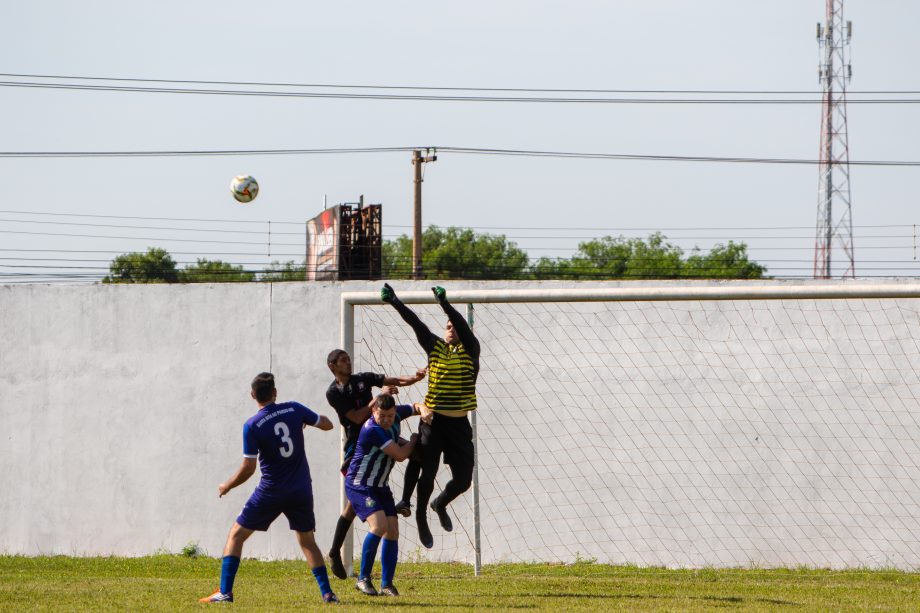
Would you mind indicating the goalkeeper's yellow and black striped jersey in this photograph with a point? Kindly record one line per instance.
(452, 373)
(452, 369)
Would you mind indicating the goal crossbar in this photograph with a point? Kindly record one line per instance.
(640, 294)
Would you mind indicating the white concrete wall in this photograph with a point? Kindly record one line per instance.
(124, 406)
(122, 409)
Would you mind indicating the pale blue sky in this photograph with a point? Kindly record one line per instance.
(666, 44)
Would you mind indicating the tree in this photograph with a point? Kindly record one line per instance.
(652, 258)
(723, 262)
(288, 271)
(615, 258)
(455, 253)
(154, 266)
(214, 271)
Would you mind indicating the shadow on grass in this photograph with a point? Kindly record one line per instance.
(440, 605)
(722, 599)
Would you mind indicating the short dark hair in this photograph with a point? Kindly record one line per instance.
(385, 401)
(263, 386)
(334, 356)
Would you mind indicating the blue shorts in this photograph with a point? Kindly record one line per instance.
(262, 509)
(368, 500)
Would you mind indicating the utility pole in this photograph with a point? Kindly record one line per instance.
(835, 224)
(417, 161)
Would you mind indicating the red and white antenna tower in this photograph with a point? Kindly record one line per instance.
(835, 225)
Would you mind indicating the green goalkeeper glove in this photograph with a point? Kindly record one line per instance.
(386, 293)
(440, 293)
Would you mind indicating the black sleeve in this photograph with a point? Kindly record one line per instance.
(469, 340)
(340, 404)
(373, 379)
(425, 337)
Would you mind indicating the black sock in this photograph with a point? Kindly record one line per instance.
(341, 530)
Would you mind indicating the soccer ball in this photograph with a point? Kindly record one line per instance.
(244, 188)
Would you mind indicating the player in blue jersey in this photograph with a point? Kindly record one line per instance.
(351, 395)
(378, 448)
(274, 435)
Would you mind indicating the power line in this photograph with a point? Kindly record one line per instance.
(173, 228)
(452, 88)
(658, 158)
(122, 251)
(148, 218)
(148, 238)
(460, 150)
(440, 97)
(560, 228)
(211, 152)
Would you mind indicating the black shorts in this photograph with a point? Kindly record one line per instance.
(454, 437)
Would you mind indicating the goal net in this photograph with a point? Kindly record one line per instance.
(680, 433)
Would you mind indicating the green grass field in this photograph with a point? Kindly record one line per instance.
(174, 583)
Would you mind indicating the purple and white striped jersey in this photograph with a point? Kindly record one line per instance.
(369, 466)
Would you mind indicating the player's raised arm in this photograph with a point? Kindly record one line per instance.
(425, 337)
(404, 381)
(458, 321)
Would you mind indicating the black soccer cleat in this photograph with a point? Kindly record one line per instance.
(443, 516)
(424, 532)
(330, 598)
(389, 590)
(403, 508)
(336, 565)
(366, 587)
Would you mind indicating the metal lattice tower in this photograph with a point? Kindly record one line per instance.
(835, 225)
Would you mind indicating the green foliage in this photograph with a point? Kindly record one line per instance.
(214, 271)
(460, 253)
(455, 253)
(192, 550)
(287, 271)
(652, 258)
(723, 262)
(154, 266)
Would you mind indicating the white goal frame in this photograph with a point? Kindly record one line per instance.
(659, 293)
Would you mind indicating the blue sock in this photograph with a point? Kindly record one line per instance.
(368, 553)
(388, 556)
(228, 570)
(322, 579)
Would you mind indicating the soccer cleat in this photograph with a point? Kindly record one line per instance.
(403, 508)
(440, 293)
(389, 590)
(386, 293)
(217, 597)
(446, 523)
(366, 587)
(424, 532)
(336, 565)
(330, 598)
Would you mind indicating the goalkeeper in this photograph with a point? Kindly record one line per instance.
(453, 366)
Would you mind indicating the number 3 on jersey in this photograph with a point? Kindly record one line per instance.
(281, 430)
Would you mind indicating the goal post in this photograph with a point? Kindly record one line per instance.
(675, 425)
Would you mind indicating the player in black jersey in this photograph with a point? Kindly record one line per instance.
(352, 397)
